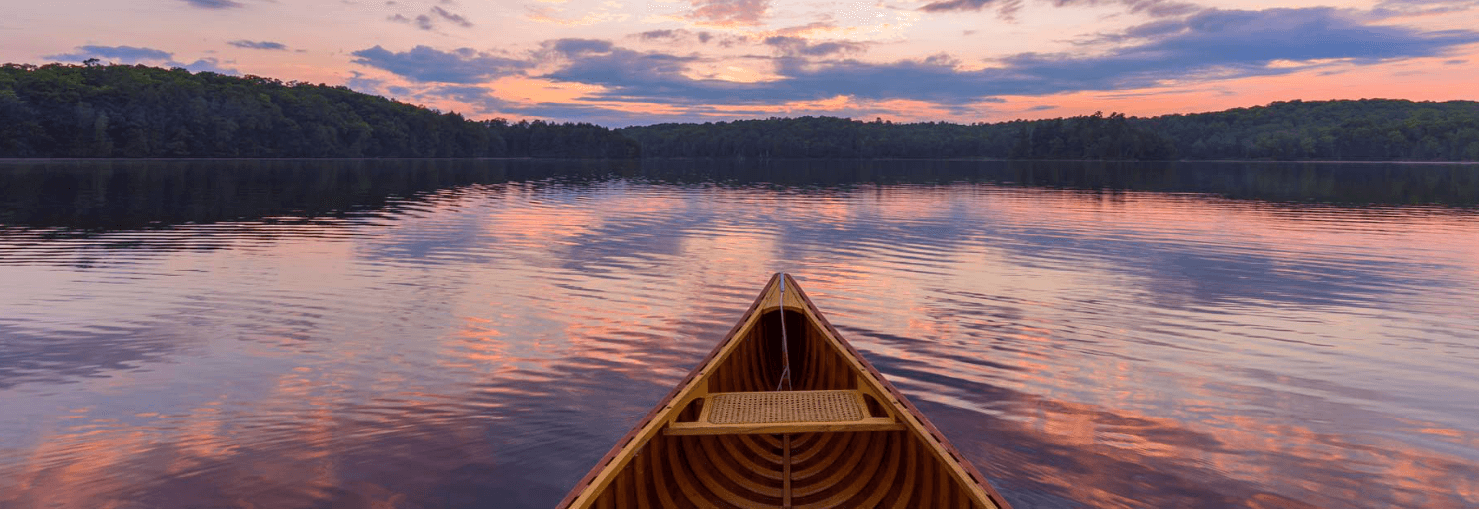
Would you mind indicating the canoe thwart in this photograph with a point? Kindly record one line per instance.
(783, 412)
(841, 436)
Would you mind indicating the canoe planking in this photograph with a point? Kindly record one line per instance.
(842, 435)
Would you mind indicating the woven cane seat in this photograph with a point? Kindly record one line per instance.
(785, 406)
(783, 412)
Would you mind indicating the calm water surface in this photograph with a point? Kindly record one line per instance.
(478, 333)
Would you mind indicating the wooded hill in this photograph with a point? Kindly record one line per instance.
(1088, 137)
(138, 111)
(1368, 129)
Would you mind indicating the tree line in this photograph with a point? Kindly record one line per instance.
(146, 112)
(1349, 130)
(1085, 137)
(95, 110)
(1368, 129)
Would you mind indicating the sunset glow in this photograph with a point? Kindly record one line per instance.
(633, 62)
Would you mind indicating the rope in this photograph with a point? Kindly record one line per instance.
(785, 349)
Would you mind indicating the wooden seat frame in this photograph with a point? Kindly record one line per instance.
(820, 422)
(677, 456)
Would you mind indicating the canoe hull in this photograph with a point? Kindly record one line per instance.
(879, 453)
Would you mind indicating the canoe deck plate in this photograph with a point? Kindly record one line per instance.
(785, 406)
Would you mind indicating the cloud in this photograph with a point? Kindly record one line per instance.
(569, 47)
(895, 80)
(575, 112)
(1208, 46)
(454, 18)
(119, 54)
(426, 64)
(729, 12)
(651, 35)
(1006, 9)
(674, 36)
(1042, 107)
(1215, 44)
(134, 55)
(1247, 41)
(808, 29)
(1390, 8)
(483, 101)
(429, 20)
(213, 4)
(1163, 92)
(796, 46)
(359, 83)
(1155, 8)
(258, 45)
(632, 76)
(423, 21)
(481, 98)
(205, 65)
(956, 5)
(601, 63)
(1205, 47)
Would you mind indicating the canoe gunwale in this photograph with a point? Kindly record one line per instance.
(677, 389)
(964, 463)
(763, 306)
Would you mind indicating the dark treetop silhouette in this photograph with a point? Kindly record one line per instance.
(93, 110)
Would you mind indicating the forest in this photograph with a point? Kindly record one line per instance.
(94, 110)
(1086, 137)
(1364, 130)
(1350, 130)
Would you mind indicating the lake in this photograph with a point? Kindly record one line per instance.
(415, 333)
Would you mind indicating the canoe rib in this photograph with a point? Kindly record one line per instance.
(884, 452)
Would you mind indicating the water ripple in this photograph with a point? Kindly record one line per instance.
(477, 333)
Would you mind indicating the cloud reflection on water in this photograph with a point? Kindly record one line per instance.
(473, 337)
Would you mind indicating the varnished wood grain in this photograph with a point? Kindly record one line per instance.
(676, 457)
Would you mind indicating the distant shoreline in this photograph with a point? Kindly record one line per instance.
(140, 112)
(674, 158)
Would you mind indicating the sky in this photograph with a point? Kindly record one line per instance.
(635, 62)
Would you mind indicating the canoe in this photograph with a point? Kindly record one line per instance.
(783, 413)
